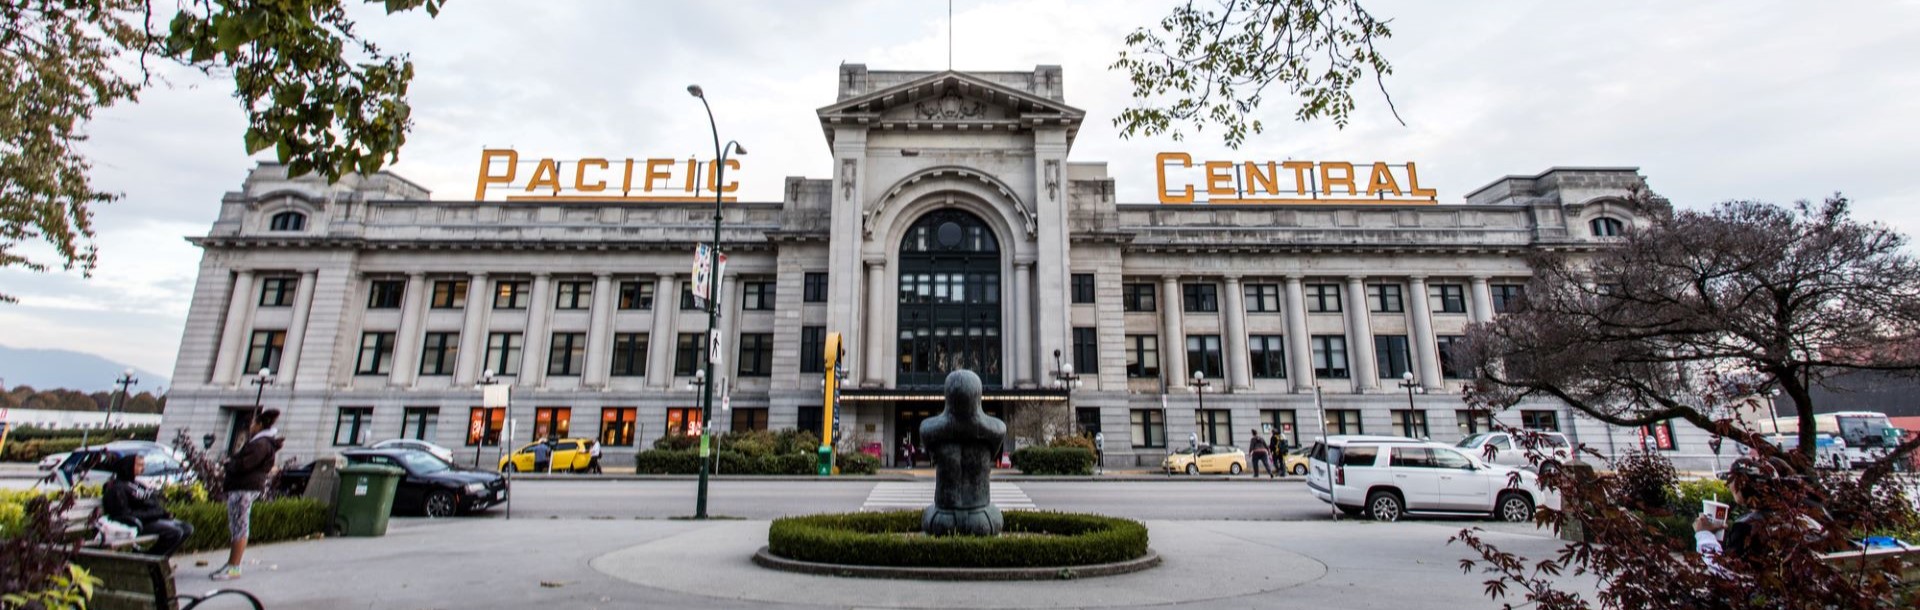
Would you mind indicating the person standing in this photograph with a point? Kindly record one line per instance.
(1278, 446)
(542, 456)
(125, 500)
(1257, 454)
(593, 457)
(247, 473)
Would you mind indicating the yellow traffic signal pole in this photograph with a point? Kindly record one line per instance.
(831, 401)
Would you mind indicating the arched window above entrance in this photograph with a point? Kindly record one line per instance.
(949, 231)
(949, 301)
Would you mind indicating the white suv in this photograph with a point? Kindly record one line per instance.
(1508, 452)
(1387, 477)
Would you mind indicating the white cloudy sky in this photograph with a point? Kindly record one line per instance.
(1713, 100)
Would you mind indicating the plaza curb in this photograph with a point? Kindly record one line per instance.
(770, 561)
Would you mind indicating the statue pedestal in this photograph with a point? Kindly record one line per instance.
(983, 521)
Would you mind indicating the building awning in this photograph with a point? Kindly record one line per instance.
(939, 394)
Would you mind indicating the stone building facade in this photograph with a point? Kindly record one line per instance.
(954, 232)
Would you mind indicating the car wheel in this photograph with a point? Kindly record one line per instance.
(1193, 469)
(1235, 469)
(1384, 506)
(1300, 469)
(439, 505)
(1515, 508)
(510, 468)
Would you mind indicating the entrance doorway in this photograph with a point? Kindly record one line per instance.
(239, 421)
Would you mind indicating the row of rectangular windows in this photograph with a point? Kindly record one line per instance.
(1320, 298)
(618, 425)
(566, 355)
(1215, 426)
(1267, 353)
(568, 294)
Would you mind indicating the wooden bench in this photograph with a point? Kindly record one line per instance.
(129, 581)
(1906, 564)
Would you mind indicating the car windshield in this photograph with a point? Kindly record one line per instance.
(424, 463)
(1473, 441)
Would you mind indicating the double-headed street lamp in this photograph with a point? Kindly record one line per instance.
(1200, 384)
(1406, 381)
(713, 290)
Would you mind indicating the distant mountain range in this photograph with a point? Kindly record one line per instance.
(46, 369)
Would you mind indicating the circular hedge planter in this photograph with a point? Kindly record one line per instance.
(1033, 539)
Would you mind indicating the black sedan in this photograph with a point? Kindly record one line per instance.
(433, 487)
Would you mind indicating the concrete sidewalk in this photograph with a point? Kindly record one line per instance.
(465, 563)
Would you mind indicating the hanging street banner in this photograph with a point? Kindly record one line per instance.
(589, 179)
(702, 261)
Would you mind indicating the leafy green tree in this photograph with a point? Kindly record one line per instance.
(325, 99)
(1204, 66)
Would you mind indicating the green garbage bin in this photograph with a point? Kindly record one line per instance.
(365, 498)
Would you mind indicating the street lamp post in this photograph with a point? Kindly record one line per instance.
(1406, 381)
(126, 380)
(1200, 384)
(713, 289)
(1773, 404)
(1068, 380)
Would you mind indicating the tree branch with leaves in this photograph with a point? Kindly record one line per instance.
(1213, 65)
(325, 99)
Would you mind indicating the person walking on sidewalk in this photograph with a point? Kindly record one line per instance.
(1278, 446)
(593, 455)
(247, 473)
(1257, 454)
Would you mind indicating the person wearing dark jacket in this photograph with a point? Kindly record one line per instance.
(1278, 446)
(247, 473)
(124, 499)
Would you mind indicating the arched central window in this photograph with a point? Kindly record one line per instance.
(1607, 227)
(949, 311)
(288, 221)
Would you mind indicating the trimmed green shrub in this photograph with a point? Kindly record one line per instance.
(273, 521)
(856, 463)
(33, 450)
(885, 539)
(676, 442)
(1054, 460)
(667, 461)
(28, 433)
(1688, 495)
(1072, 441)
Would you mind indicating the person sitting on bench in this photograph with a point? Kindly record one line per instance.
(125, 500)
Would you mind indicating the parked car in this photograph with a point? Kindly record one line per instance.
(1507, 450)
(49, 462)
(569, 455)
(416, 445)
(1296, 461)
(88, 465)
(1387, 477)
(1212, 459)
(432, 486)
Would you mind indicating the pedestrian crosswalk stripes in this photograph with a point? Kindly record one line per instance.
(892, 495)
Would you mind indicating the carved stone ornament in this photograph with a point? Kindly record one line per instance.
(848, 176)
(1053, 180)
(950, 106)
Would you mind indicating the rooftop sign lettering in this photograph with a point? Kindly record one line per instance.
(1181, 180)
(595, 179)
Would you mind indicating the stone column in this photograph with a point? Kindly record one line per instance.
(1299, 349)
(233, 337)
(533, 357)
(599, 333)
(662, 339)
(874, 372)
(473, 332)
(1360, 336)
(1426, 355)
(847, 227)
(1239, 368)
(1482, 305)
(406, 347)
(1022, 359)
(1173, 334)
(297, 329)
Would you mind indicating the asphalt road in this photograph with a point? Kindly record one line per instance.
(1196, 500)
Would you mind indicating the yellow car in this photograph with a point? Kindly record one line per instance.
(1230, 460)
(1296, 463)
(569, 455)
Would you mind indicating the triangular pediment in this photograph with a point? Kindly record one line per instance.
(950, 100)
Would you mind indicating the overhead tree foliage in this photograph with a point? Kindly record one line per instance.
(1729, 301)
(1212, 65)
(326, 100)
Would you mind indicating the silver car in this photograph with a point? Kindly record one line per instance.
(1507, 451)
